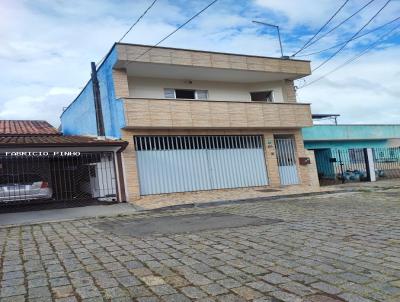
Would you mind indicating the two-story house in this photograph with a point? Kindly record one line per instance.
(199, 120)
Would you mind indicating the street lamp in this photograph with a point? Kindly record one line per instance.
(277, 28)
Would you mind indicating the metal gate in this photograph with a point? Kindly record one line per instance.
(341, 165)
(337, 165)
(169, 164)
(56, 176)
(286, 156)
(387, 162)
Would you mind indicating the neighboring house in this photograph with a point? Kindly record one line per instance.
(38, 162)
(345, 144)
(351, 136)
(198, 120)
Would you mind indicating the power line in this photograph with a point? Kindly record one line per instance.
(132, 26)
(138, 19)
(340, 24)
(348, 41)
(173, 32)
(323, 26)
(355, 38)
(383, 37)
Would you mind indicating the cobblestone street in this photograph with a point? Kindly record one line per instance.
(332, 247)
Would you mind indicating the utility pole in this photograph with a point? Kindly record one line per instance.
(97, 101)
(277, 29)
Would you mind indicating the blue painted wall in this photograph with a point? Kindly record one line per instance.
(80, 117)
(330, 140)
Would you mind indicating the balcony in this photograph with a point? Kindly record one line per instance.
(162, 62)
(195, 114)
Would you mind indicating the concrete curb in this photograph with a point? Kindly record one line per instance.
(182, 206)
(123, 212)
(7, 226)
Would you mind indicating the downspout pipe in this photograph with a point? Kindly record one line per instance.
(121, 181)
(97, 101)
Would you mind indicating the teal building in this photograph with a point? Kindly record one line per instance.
(351, 136)
(339, 149)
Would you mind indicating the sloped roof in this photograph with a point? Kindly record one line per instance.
(26, 127)
(58, 140)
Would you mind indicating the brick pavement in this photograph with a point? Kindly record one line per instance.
(340, 247)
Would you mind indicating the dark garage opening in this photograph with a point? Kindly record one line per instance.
(72, 179)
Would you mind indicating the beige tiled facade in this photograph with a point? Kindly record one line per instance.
(187, 114)
(307, 174)
(186, 57)
(155, 116)
(120, 80)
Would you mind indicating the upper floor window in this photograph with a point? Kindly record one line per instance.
(262, 96)
(171, 93)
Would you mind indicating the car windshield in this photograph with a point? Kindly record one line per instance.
(22, 179)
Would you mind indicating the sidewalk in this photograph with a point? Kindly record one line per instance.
(32, 217)
(225, 195)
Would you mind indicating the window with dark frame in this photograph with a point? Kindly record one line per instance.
(262, 96)
(185, 94)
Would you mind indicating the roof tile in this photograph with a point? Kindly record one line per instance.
(26, 127)
(41, 140)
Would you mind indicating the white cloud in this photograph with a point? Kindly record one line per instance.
(47, 106)
(314, 14)
(47, 47)
(366, 91)
(301, 12)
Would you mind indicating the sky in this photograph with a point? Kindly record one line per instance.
(47, 46)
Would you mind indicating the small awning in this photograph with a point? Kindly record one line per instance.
(58, 141)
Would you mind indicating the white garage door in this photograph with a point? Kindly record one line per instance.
(169, 164)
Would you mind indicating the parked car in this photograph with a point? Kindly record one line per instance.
(23, 187)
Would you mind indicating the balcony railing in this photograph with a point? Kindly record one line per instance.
(182, 114)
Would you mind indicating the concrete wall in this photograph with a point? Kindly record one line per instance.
(217, 91)
(80, 118)
(394, 142)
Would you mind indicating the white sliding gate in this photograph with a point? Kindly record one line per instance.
(169, 164)
(286, 155)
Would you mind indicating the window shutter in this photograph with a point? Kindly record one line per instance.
(202, 94)
(169, 93)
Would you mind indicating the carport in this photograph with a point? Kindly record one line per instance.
(43, 166)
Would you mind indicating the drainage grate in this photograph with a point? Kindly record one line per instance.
(268, 190)
(181, 224)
